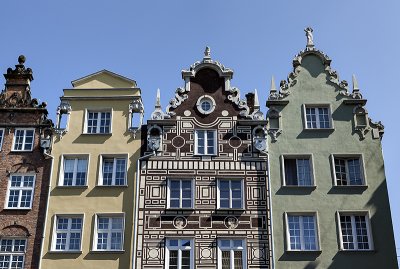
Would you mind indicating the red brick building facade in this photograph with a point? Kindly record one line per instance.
(25, 167)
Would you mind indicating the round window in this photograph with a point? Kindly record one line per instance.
(205, 104)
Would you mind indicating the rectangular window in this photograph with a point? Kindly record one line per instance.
(205, 142)
(180, 193)
(98, 122)
(109, 233)
(23, 139)
(348, 171)
(1, 139)
(12, 253)
(179, 254)
(74, 171)
(231, 254)
(297, 171)
(113, 171)
(68, 233)
(355, 232)
(20, 191)
(318, 117)
(230, 193)
(302, 232)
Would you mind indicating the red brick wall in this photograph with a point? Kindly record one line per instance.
(24, 222)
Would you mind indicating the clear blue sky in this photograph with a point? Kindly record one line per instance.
(152, 41)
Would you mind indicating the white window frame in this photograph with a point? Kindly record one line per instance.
(230, 193)
(316, 225)
(3, 131)
(232, 248)
(109, 231)
(68, 231)
(328, 106)
(9, 188)
(114, 157)
(308, 156)
(13, 253)
(75, 157)
(97, 110)
(23, 139)
(179, 248)
(180, 196)
(354, 232)
(196, 145)
(348, 156)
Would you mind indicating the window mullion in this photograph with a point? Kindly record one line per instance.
(232, 258)
(179, 256)
(23, 140)
(114, 172)
(69, 226)
(346, 165)
(98, 117)
(205, 142)
(180, 193)
(354, 231)
(109, 232)
(302, 244)
(230, 194)
(74, 174)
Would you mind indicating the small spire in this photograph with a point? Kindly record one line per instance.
(256, 101)
(207, 52)
(158, 102)
(273, 87)
(355, 84)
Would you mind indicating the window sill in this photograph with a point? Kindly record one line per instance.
(344, 187)
(112, 186)
(319, 129)
(73, 186)
(105, 134)
(16, 208)
(13, 150)
(230, 209)
(317, 251)
(313, 187)
(179, 209)
(107, 251)
(65, 252)
(357, 250)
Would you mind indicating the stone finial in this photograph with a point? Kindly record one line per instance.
(256, 101)
(158, 99)
(273, 87)
(207, 52)
(309, 35)
(21, 59)
(356, 94)
(355, 84)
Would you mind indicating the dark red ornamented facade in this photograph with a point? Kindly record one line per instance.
(202, 192)
(24, 170)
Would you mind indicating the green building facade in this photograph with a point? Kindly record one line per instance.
(330, 205)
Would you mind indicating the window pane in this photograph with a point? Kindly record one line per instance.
(294, 232)
(120, 172)
(309, 233)
(354, 167)
(92, 122)
(290, 172)
(173, 259)
(347, 232)
(303, 172)
(28, 139)
(340, 171)
(185, 259)
(108, 165)
(238, 260)
(226, 260)
(362, 232)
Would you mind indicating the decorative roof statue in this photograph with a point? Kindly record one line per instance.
(207, 52)
(309, 36)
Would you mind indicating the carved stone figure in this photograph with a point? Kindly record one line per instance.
(309, 36)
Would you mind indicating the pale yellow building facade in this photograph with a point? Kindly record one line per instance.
(90, 209)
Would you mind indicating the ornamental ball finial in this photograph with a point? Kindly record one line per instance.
(21, 59)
